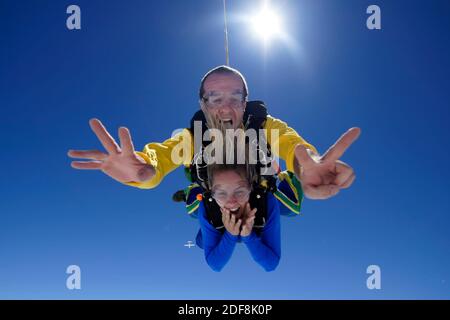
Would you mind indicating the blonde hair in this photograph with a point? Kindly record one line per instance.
(246, 170)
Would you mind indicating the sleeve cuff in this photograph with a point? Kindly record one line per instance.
(291, 155)
(251, 237)
(230, 237)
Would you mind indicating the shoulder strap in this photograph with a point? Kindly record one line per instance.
(255, 115)
(258, 199)
(213, 212)
(198, 116)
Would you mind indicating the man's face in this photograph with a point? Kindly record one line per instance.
(225, 99)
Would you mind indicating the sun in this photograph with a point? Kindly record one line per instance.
(266, 24)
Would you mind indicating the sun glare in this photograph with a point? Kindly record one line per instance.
(266, 24)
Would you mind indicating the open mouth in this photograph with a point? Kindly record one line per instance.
(227, 123)
(234, 210)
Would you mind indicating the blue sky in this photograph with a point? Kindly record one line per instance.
(139, 65)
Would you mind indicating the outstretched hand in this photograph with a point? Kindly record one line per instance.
(120, 162)
(323, 176)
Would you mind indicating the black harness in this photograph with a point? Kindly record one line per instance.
(254, 117)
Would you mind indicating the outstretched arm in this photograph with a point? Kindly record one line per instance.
(165, 157)
(143, 169)
(321, 176)
(283, 140)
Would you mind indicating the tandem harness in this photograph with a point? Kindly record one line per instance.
(254, 118)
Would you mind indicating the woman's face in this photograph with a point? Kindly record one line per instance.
(231, 191)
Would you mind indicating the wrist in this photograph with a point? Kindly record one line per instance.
(146, 173)
(230, 236)
(252, 236)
